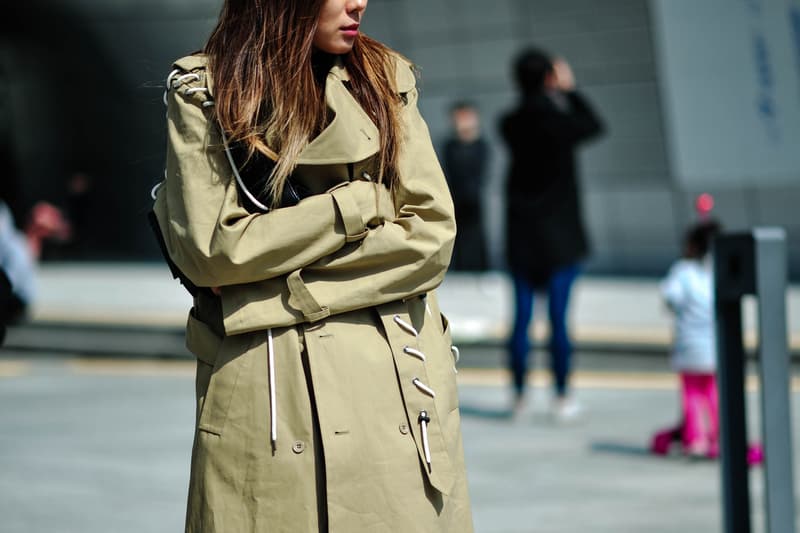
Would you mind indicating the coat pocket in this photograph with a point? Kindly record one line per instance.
(220, 362)
(204, 344)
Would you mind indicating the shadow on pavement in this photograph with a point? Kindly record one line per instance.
(491, 413)
(620, 448)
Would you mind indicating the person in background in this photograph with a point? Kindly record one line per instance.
(46, 222)
(546, 239)
(20, 252)
(6, 297)
(18, 263)
(688, 291)
(466, 161)
(77, 209)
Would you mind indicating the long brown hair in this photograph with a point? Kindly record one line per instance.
(266, 93)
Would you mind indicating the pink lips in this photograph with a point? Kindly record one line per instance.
(350, 31)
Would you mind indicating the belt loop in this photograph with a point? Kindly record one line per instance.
(301, 299)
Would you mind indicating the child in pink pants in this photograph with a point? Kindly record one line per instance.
(688, 291)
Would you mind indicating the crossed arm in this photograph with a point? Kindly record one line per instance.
(343, 249)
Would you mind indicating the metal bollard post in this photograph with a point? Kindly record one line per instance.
(754, 263)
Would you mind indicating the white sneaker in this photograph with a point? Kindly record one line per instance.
(519, 409)
(566, 409)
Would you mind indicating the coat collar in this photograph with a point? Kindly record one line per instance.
(351, 135)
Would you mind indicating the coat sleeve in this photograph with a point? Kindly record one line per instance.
(401, 258)
(576, 123)
(673, 288)
(212, 238)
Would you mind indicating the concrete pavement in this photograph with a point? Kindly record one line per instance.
(94, 445)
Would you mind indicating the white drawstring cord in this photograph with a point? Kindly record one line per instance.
(197, 90)
(424, 388)
(416, 353)
(237, 176)
(155, 188)
(190, 76)
(405, 325)
(273, 404)
(169, 83)
(423, 422)
(172, 75)
(456, 356)
(171, 79)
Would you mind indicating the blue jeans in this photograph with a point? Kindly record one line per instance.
(558, 289)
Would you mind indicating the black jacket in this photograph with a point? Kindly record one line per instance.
(545, 228)
(465, 166)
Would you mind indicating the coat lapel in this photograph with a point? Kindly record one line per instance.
(351, 135)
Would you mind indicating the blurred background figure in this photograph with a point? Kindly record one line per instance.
(73, 231)
(17, 263)
(465, 160)
(46, 222)
(6, 297)
(546, 238)
(688, 292)
(20, 251)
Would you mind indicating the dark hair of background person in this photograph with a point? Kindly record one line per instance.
(699, 238)
(261, 53)
(531, 69)
(462, 105)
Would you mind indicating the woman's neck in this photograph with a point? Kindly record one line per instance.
(321, 63)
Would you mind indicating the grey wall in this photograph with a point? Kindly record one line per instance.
(464, 49)
(635, 210)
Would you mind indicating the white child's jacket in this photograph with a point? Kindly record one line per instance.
(689, 291)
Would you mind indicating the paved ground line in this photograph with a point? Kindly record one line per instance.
(12, 369)
(485, 377)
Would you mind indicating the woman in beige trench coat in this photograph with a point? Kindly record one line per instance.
(326, 395)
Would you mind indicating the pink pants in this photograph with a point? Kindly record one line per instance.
(700, 412)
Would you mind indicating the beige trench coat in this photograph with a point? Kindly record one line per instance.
(326, 394)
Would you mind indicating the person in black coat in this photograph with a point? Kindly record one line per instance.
(465, 161)
(546, 238)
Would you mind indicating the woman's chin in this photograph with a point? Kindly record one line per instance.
(339, 47)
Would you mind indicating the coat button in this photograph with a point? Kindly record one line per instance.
(299, 446)
(404, 428)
